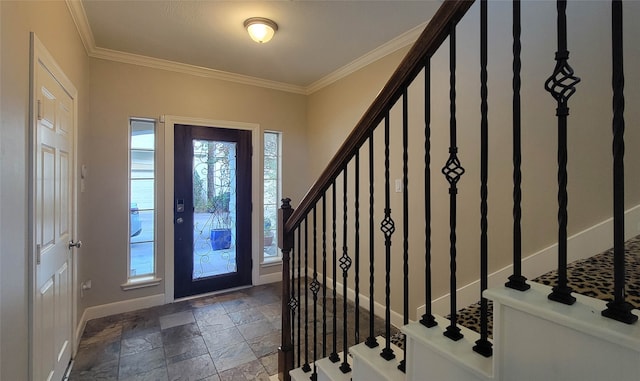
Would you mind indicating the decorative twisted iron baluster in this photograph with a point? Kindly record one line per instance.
(387, 226)
(306, 367)
(299, 299)
(618, 309)
(561, 85)
(345, 265)
(324, 275)
(517, 281)
(452, 171)
(483, 345)
(334, 353)
(371, 340)
(315, 287)
(356, 238)
(428, 320)
(405, 220)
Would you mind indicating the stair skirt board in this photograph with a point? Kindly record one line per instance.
(442, 359)
(537, 339)
(330, 371)
(327, 371)
(299, 375)
(368, 365)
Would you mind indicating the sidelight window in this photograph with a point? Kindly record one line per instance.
(142, 207)
(272, 192)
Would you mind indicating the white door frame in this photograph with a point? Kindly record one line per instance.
(256, 186)
(39, 53)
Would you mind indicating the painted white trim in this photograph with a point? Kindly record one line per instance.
(383, 50)
(256, 140)
(136, 283)
(199, 71)
(39, 53)
(269, 278)
(378, 308)
(585, 244)
(109, 309)
(79, 17)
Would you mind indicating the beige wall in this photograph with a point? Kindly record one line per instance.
(120, 91)
(333, 112)
(53, 25)
(113, 92)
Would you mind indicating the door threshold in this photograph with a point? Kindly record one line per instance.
(213, 293)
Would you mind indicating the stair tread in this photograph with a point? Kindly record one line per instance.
(460, 351)
(300, 375)
(332, 370)
(371, 356)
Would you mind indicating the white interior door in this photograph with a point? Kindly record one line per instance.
(53, 204)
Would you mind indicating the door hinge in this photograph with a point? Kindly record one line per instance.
(39, 109)
(38, 253)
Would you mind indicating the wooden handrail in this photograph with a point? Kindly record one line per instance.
(451, 11)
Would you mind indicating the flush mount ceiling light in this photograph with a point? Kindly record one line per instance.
(260, 29)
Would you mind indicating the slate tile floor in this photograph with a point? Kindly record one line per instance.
(232, 336)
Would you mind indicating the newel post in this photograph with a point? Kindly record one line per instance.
(285, 243)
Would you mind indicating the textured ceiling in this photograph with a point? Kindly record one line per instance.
(315, 38)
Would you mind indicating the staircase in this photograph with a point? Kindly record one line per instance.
(409, 256)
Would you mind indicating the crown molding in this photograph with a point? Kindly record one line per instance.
(79, 17)
(383, 50)
(156, 63)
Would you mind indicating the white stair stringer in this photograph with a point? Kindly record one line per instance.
(539, 339)
(431, 356)
(368, 365)
(330, 371)
(300, 375)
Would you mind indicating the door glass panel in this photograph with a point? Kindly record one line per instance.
(214, 201)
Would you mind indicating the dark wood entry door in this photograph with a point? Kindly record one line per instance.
(212, 209)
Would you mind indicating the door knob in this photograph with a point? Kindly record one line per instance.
(75, 244)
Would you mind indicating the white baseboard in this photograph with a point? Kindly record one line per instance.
(378, 308)
(269, 278)
(103, 310)
(584, 244)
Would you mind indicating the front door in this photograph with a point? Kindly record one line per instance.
(212, 209)
(53, 204)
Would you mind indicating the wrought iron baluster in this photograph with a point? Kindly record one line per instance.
(334, 353)
(428, 320)
(315, 287)
(618, 309)
(356, 238)
(405, 219)
(517, 281)
(452, 171)
(299, 299)
(345, 264)
(293, 302)
(561, 85)
(371, 340)
(387, 227)
(324, 275)
(306, 367)
(483, 345)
